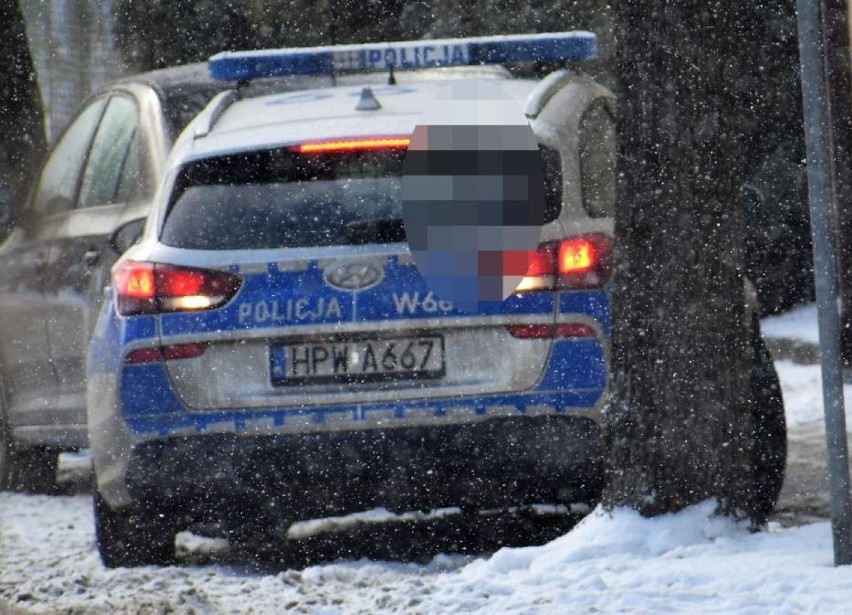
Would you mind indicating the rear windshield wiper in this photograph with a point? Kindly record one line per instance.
(379, 230)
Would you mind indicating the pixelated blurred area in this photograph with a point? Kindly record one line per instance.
(473, 195)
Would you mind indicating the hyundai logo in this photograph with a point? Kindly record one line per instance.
(353, 276)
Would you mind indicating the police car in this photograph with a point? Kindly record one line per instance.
(269, 352)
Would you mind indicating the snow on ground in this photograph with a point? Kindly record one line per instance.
(685, 562)
(801, 383)
(799, 323)
(801, 387)
(691, 561)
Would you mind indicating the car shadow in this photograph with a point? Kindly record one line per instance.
(402, 539)
(417, 541)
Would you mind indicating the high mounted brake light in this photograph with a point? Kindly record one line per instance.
(148, 288)
(335, 59)
(351, 145)
(582, 262)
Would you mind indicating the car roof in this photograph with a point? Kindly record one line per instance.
(329, 112)
(185, 90)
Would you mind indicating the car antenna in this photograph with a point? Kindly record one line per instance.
(368, 101)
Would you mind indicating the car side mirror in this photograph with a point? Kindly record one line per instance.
(127, 235)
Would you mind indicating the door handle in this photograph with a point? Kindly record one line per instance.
(91, 257)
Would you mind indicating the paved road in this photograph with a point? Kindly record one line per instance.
(804, 497)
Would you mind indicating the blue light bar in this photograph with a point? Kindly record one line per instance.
(404, 55)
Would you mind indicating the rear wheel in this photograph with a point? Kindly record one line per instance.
(28, 469)
(769, 452)
(5, 452)
(130, 537)
(32, 469)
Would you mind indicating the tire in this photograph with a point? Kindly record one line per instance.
(5, 453)
(32, 469)
(27, 469)
(769, 451)
(6, 442)
(129, 537)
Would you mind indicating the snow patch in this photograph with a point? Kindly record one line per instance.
(799, 323)
(801, 388)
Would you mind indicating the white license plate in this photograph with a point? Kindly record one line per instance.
(358, 360)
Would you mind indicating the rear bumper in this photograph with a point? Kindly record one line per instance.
(491, 464)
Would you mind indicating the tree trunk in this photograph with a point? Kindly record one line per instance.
(22, 139)
(678, 425)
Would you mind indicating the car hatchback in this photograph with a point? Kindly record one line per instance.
(270, 353)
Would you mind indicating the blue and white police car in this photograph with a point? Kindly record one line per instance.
(268, 351)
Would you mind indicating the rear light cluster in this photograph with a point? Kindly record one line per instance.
(576, 263)
(149, 288)
(583, 262)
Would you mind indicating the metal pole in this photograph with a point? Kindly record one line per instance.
(811, 53)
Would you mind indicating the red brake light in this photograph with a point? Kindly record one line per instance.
(135, 288)
(576, 255)
(165, 353)
(144, 355)
(543, 262)
(351, 145)
(179, 283)
(184, 351)
(565, 330)
(573, 263)
(146, 288)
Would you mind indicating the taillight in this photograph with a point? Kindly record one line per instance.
(135, 288)
(148, 288)
(582, 262)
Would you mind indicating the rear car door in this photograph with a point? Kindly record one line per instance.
(25, 314)
(115, 174)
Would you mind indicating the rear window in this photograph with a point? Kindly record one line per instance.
(282, 199)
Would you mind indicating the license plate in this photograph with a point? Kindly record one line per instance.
(358, 360)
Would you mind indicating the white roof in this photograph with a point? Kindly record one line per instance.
(329, 113)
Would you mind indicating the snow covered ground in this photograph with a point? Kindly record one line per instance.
(799, 323)
(690, 561)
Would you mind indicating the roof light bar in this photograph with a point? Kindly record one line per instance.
(351, 145)
(548, 47)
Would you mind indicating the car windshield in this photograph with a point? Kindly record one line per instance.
(281, 199)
